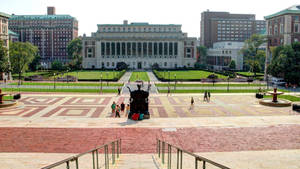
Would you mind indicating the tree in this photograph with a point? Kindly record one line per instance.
(56, 65)
(35, 64)
(202, 54)
(200, 66)
(155, 66)
(4, 63)
(285, 63)
(122, 66)
(253, 56)
(21, 55)
(232, 65)
(74, 52)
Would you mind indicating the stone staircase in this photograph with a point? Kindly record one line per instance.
(136, 161)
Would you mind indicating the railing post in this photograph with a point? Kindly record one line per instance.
(180, 159)
(177, 158)
(113, 153)
(159, 148)
(169, 156)
(204, 166)
(196, 163)
(106, 157)
(163, 152)
(76, 161)
(120, 146)
(117, 148)
(68, 165)
(93, 153)
(97, 159)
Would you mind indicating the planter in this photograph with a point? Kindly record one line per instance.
(296, 107)
(259, 96)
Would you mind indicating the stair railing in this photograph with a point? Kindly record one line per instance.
(161, 151)
(115, 152)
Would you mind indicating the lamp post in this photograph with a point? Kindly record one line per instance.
(106, 78)
(228, 84)
(54, 80)
(67, 75)
(101, 82)
(169, 79)
(175, 81)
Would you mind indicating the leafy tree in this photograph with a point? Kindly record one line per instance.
(122, 66)
(74, 52)
(56, 65)
(21, 55)
(232, 65)
(4, 63)
(254, 58)
(155, 66)
(202, 54)
(200, 66)
(35, 64)
(285, 63)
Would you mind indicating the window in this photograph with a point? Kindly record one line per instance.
(160, 49)
(107, 64)
(275, 29)
(281, 28)
(296, 27)
(165, 48)
(165, 64)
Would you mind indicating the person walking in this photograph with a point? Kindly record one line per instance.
(205, 96)
(127, 110)
(118, 111)
(119, 91)
(122, 107)
(192, 103)
(208, 93)
(113, 107)
(168, 91)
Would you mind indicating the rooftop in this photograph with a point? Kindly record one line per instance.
(4, 14)
(138, 24)
(12, 33)
(291, 10)
(40, 17)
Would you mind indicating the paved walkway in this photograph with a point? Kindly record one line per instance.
(152, 77)
(125, 78)
(133, 86)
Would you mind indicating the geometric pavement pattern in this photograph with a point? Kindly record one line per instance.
(159, 107)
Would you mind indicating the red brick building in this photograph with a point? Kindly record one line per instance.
(51, 33)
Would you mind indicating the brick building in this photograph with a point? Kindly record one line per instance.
(4, 28)
(51, 33)
(223, 26)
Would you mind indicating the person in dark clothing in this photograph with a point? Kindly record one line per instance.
(118, 111)
(205, 96)
(192, 103)
(119, 91)
(122, 107)
(208, 93)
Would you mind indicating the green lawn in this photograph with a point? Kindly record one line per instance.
(186, 74)
(60, 90)
(67, 84)
(208, 85)
(94, 75)
(212, 91)
(248, 74)
(139, 76)
(287, 97)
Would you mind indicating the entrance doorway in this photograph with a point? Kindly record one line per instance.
(139, 65)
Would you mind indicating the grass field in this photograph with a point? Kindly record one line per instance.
(186, 75)
(8, 90)
(213, 91)
(208, 85)
(287, 97)
(139, 76)
(95, 75)
(67, 84)
(248, 74)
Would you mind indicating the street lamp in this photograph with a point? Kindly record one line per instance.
(228, 84)
(67, 75)
(107, 78)
(175, 81)
(101, 82)
(169, 79)
(54, 80)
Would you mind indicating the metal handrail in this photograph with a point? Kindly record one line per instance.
(94, 152)
(161, 153)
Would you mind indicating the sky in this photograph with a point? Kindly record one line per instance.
(89, 13)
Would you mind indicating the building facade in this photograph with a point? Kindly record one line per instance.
(139, 45)
(4, 28)
(222, 53)
(51, 33)
(283, 28)
(223, 26)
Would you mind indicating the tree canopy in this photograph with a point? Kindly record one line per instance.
(21, 55)
(74, 52)
(285, 63)
(254, 58)
(232, 65)
(4, 62)
(202, 54)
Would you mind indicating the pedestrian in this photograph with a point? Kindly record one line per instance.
(113, 107)
(122, 107)
(208, 93)
(127, 110)
(168, 91)
(119, 91)
(118, 111)
(192, 103)
(205, 96)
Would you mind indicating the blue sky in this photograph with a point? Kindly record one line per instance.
(89, 13)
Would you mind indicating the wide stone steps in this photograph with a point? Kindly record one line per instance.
(136, 161)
